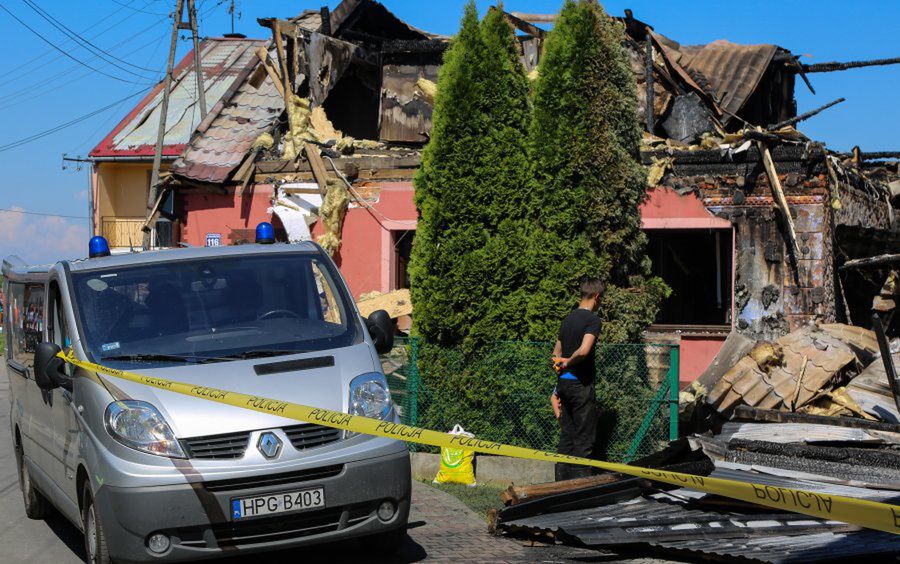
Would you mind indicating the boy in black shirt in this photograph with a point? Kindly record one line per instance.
(574, 361)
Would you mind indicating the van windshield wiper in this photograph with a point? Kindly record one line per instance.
(261, 353)
(162, 357)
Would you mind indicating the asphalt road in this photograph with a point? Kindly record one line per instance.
(22, 539)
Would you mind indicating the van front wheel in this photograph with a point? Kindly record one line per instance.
(94, 537)
(36, 505)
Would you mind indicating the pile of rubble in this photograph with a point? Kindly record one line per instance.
(815, 411)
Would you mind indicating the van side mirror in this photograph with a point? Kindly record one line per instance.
(381, 328)
(49, 369)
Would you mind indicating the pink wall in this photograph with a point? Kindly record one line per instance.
(695, 354)
(366, 257)
(666, 209)
(209, 212)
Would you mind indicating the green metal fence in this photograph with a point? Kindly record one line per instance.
(503, 394)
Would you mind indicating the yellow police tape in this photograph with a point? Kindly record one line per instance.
(870, 514)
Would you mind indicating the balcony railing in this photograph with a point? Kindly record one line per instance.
(123, 231)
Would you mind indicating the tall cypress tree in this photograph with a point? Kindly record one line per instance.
(585, 141)
(470, 188)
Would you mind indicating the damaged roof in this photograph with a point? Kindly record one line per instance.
(732, 71)
(222, 61)
(223, 139)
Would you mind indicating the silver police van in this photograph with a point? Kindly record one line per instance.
(152, 475)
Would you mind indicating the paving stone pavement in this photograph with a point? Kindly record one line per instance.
(444, 529)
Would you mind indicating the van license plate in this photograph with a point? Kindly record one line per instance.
(281, 502)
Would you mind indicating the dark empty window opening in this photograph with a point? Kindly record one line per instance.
(353, 104)
(696, 264)
(403, 249)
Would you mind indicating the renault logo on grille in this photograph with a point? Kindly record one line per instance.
(269, 445)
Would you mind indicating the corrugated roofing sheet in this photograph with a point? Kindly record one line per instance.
(804, 433)
(733, 71)
(222, 61)
(670, 521)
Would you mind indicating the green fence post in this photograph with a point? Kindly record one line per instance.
(673, 392)
(651, 412)
(412, 387)
(414, 381)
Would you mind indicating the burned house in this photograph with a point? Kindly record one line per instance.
(321, 125)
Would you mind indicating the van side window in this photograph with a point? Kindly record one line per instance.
(57, 329)
(26, 311)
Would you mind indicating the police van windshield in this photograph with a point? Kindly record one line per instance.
(213, 309)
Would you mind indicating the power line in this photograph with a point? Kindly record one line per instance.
(43, 214)
(13, 98)
(45, 66)
(84, 43)
(104, 123)
(36, 136)
(138, 10)
(50, 43)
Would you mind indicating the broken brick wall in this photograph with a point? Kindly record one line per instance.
(774, 292)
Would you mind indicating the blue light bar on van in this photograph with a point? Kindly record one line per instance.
(98, 247)
(265, 233)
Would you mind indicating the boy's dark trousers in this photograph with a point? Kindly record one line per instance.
(578, 426)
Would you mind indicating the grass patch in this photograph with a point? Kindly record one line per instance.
(479, 499)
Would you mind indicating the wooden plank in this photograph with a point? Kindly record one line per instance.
(778, 195)
(343, 163)
(263, 55)
(306, 175)
(535, 18)
(524, 26)
(282, 61)
(319, 171)
(518, 494)
(390, 174)
(396, 303)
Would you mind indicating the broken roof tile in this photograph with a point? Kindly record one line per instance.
(221, 60)
(217, 150)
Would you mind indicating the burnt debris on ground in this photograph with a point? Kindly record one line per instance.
(812, 411)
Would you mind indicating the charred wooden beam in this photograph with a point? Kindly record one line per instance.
(762, 136)
(326, 20)
(414, 46)
(648, 80)
(748, 413)
(523, 25)
(805, 116)
(889, 369)
(880, 260)
(535, 18)
(836, 66)
(866, 155)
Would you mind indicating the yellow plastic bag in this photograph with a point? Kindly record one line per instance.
(456, 464)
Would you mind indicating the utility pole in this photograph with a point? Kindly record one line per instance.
(231, 11)
(153, 197)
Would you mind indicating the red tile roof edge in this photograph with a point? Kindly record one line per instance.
(106, 149)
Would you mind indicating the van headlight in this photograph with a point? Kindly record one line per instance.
(369, 397)
(139, 425)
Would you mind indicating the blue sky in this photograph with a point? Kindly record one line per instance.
(42, 89)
